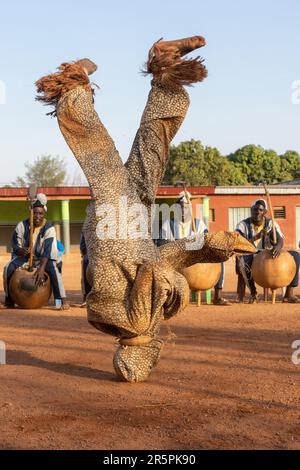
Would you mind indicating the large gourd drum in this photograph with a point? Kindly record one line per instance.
(273, 273)
(26, 293)
(202, 276)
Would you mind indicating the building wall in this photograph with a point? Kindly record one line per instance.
(77, 217)
(13, 211)
(78, 210)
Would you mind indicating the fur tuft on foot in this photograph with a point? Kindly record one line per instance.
(52, 87)
(166, 64)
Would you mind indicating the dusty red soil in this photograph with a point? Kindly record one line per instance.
(225, 380)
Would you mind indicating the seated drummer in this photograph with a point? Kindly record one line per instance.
(258, 230)
(181, 227)
(44, 253)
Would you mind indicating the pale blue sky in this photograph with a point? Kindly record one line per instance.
(252, 57)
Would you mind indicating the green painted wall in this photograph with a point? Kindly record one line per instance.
(78, 210)
(54, 211)
(12, 212)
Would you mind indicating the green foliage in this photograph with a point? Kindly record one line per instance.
(186, 162)
(192, 162)
(257, 164)
(197, 165)
(46, 171)
(290, 165)
(221, 172)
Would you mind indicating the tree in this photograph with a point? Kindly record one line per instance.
(272, 167)
(222, 172)
(46, 171)
(186, 162)
(257, 164)
(249, 161)
(190, 161)
(290, 165)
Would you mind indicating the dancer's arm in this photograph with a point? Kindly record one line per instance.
(157, 288)
(210, 248)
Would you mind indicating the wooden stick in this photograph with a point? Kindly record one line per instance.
(273, 229)
(191, 209)
(271, 212)
(32, 190)
(31, 239)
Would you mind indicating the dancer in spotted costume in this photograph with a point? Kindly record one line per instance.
(135, 285)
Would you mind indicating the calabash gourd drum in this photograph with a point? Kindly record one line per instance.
(26, 293)
(273, 273)
(202, 276)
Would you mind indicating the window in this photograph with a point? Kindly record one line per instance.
(236, 215)
(279, 212)
(212, 215)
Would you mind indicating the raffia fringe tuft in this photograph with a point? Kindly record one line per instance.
(172, 70)
(52, 87)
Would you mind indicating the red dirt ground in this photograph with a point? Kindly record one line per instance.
(225, 380)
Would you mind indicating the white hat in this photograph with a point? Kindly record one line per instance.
(42, 199)
(182, 196)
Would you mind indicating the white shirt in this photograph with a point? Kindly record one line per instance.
(182, 229)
